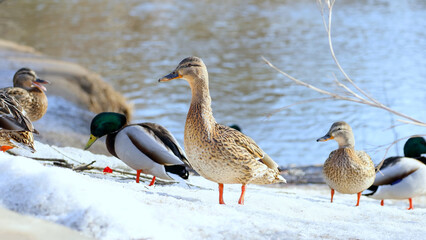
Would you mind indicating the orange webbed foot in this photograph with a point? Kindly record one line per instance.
(5, 148)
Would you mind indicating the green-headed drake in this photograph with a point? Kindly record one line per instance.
(347, 170)
(402, 177)
(16, 130)
(219, 153)
(29, 92)
(146, 147)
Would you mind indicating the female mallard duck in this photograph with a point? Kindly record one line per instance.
(29, 93)
(402, 177)
(346, 170)
(145, 147)
(217, 152)
(16, 130)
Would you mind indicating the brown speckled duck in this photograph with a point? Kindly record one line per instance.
(29, 92)
(346, 170)
(217, 152)
(16, 130)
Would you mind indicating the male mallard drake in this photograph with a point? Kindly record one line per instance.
(415, 147)
(29, 93)
(217, 152)
(16, 130)
(346, 170)
(402, 177)
(145, 147)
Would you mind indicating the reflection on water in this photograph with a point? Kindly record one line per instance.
(132, 43)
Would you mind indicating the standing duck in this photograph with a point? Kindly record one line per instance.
(16, 130)
(402, 177)
(346, 170)
(29, 92)
(219, 153)
(146, 147)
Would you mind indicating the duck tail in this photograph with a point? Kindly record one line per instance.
(370, 191)
(280, 178)
(179, 170)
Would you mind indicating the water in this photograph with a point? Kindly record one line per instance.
(132, 43)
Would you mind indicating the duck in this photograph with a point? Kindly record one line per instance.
(145, 147)
(29, 91)
(402, 177)
(347, 170)
(16, 129)
(217, 152)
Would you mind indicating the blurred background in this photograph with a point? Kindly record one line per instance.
(132, 43)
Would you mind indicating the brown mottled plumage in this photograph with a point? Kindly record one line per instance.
(15, 128)
(217, 152)
(29, 93)
(347, 170)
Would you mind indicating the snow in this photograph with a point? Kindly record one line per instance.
(112, 206)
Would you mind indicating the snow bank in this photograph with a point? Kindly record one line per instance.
(110, 207)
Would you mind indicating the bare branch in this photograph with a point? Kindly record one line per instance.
(412, 122)
(369, 100)
(333, 95)
(83, 167)
(333, 55)
(340, 84)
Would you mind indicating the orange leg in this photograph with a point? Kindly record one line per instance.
(5, 148)
(357, 202)
(411, 204)
(243, 191)
(332, 194)
(138, 174)
(152, 181)
(382, 202)
(221, 194)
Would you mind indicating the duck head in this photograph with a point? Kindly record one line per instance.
(342, 133)
(414, 147)
(191, 69)
(103, 124)
(27, 79)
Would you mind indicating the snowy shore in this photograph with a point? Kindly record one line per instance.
(113, 206)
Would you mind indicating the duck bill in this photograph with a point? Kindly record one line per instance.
(325, 138)
(170, 77)
(38, 83)
(92, 139)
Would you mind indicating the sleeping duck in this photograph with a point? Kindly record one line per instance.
(29, 92)
(402, 177)
(146, 147)
(347, 170)
(219, 153)
(16, 130)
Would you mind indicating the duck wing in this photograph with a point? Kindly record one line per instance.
(242, 144)
(12, 115)
(395, 169)
(157, 143)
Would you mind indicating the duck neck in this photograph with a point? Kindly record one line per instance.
(347, 141)
(200, 109)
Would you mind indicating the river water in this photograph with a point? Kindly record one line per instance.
(131, 43)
